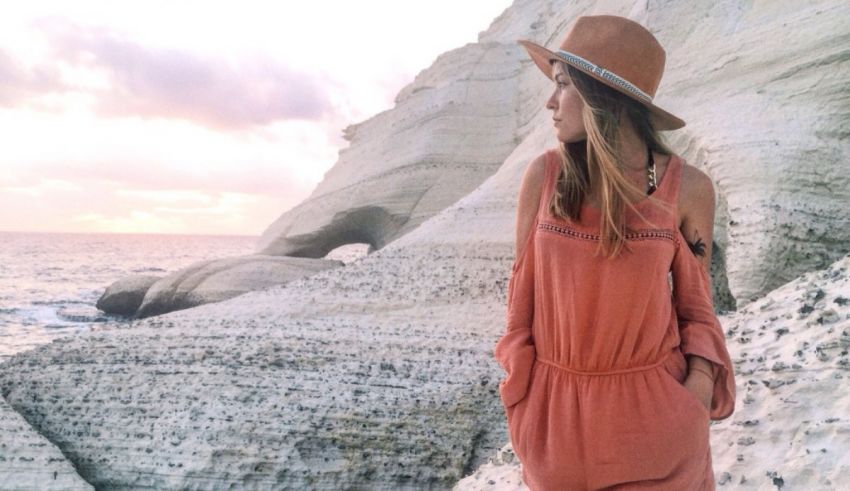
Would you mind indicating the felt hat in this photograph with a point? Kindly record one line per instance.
(616, 51)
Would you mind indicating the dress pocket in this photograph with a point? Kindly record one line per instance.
(522, 417)
(514, 419)
(685, 393)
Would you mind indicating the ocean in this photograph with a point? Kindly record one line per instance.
(50, 282)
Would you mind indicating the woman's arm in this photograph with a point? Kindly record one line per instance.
(710, 371)
(515, 350)
(698, 229)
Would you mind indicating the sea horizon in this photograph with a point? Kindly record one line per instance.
(51, 281)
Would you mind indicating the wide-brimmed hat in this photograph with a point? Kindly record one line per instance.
(616, 51)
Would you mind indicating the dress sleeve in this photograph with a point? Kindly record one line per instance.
(515, 350)
(699, 328)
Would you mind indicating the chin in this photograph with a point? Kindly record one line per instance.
(571, 138)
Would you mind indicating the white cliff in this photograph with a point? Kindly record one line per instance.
(450, 129)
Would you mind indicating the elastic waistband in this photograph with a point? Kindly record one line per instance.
(606, 372)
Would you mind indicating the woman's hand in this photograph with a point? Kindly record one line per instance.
(701, 387)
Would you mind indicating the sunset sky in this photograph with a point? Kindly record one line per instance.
(197, 117)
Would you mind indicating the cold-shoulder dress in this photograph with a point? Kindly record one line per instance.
(594, 352)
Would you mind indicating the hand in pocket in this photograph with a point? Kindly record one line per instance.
(701, 387)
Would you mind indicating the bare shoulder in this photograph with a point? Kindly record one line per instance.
(697, 190)
(528, 202)
(532, 180)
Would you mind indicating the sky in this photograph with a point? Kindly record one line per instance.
(197, 117)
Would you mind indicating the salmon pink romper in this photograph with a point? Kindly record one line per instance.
(594, 353)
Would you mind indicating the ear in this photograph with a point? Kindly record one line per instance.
(698, 214)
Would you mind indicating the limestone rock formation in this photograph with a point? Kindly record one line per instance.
(378, 375)
(219, 279)
(28, 461)
(124, 296)
(452, 128)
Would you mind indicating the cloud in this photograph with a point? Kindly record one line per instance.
(18, 83)
(229, 205)
(46, 187)
(171, 83)
(142, 215)
(136, 178)
(101, 206)
(134, 222)
(166, 196)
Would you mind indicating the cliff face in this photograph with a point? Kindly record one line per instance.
(451, 128)
(380, 373)
(762, 88)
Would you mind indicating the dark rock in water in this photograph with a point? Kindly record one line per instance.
(81, 313)
(125, 295)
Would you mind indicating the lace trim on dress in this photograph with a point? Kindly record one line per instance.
(639, 234)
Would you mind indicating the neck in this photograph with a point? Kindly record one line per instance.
(632, 149)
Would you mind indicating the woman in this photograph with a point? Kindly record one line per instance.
(612, 375)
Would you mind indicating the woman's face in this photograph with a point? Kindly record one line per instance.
(566, 106)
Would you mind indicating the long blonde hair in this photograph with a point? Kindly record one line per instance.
(597, 160)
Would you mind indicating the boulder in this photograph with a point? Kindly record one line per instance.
(124, 296)
(219, 279)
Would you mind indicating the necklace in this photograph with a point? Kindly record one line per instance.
(651, 171)
(650, 167)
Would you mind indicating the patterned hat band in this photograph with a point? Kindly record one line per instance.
(598, 70)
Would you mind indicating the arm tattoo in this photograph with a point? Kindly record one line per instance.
(698, 246)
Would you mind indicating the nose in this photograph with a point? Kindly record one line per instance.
(551, 103)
